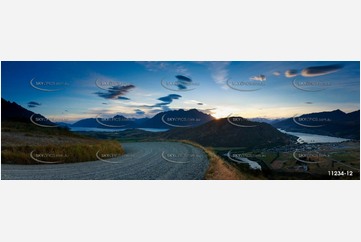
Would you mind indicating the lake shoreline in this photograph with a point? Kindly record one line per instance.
(307, 138)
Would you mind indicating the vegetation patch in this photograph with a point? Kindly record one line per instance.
(24, 143)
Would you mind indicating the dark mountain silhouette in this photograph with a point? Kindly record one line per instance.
(115, 122)
(63, 124)
(333, 123)
(87, 122)
(266, 120)
(163, 120)
(11, 111)
(222, 133)
(177, 118)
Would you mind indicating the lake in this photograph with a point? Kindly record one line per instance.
(314, 138)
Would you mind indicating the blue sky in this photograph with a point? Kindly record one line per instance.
(73, 90)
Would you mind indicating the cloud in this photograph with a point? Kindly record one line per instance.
(193, 102)
(165, 102)
(291, 73)
(181, 69)
(139, 112)
(116, 92)
(168, 99)
(165, 108)
(154, 65)
(172, 67)
(276, 73)
(219, 72)
(209, 111)
(155, 110)
(33, 104)
(320, 70)
(183, 78)
(309, 102)
(183, 82)
(258, 78)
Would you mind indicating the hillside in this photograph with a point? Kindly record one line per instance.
(221, 133)
(11, 111)
(177, 118)
(163, 120)
(22, 140)
(333, 123)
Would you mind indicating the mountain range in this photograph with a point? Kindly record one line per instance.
(331, 123)
(163, 120)
(206, 130)
(266, 120)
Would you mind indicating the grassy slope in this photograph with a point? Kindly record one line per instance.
(50, 145)
(219, 169)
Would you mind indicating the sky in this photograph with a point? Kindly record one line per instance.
(73, 90)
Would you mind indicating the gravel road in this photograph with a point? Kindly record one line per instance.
(142, 161)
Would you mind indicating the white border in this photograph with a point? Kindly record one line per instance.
(179, 210)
